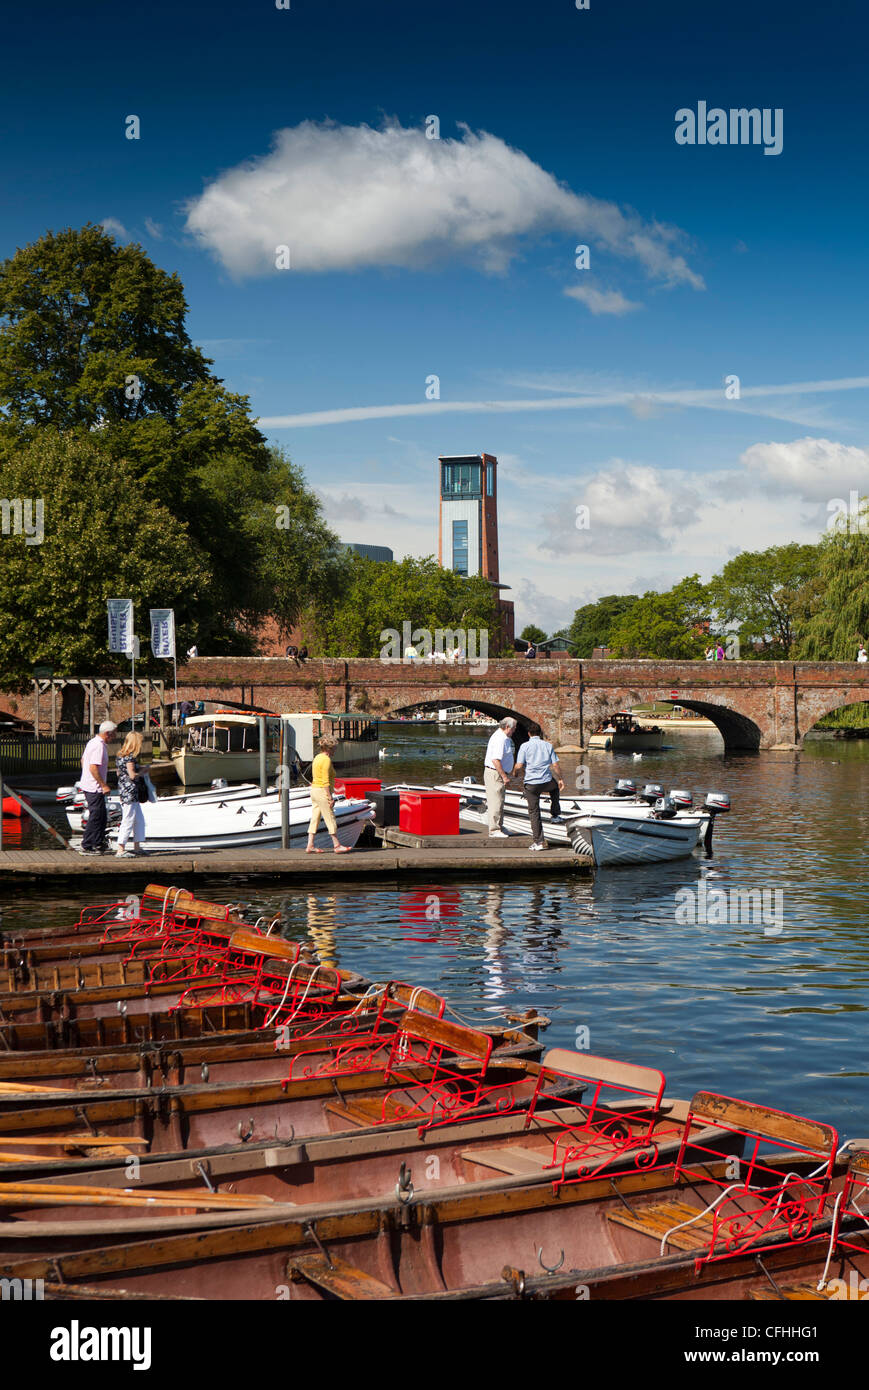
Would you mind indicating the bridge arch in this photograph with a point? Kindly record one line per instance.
(810, 712)
(526, 724)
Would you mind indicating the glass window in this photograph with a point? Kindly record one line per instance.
(460, 547)
(490, 479)
(461, 480)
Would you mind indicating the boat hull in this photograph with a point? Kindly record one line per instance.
(616, 840)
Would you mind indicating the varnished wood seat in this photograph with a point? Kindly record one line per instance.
(510, 1158)
(337, 1277)
(656, 1221)
(806, 1292)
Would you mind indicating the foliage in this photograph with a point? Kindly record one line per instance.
(101, 540)
(592, 625)
(379, 597)
(764, 593)
(664, 625)
(530, 633)
(80, 317)
(837, 618)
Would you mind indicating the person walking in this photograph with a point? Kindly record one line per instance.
(719, 652)
(542, 775)
(531, 652)
(322, 796)
(861, 652)
(94, 770)
(498, 769)
(131, 779)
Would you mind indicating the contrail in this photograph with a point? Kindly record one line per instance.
(628, 398)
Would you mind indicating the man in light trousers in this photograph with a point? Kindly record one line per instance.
(500, 758)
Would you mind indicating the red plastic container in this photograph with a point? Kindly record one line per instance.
(428, 813)
(11, 807)
(357, 786)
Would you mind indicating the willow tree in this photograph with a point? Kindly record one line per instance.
(839, 616)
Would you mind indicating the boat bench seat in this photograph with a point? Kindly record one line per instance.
(509, 1158)
(343, 1280)
(656, 1221)
(364, 1112)
(798, 1293)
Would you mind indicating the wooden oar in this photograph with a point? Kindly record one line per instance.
(56, 1194)
(71, 1140)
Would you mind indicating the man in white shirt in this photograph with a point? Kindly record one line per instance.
(500, 757)
(94, 770)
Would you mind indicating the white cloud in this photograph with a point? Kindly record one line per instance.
(814, 469)
(642, 404)
(602, 301)
(632, 508)
(115, 228)
(346, 197)
(153, 229)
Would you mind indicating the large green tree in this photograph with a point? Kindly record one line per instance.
(532, 633)
(837, 616)
(592, 624)
(93, 343)
(664, 625)
(92, 536)
(379, 597)
(763, 592)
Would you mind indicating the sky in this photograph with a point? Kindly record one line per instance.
(700, 386)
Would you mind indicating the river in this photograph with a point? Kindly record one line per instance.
(769, 1010)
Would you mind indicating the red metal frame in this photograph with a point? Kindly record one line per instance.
(854, 1192)
(613, 1128)
(362, 1039)
(773, 1202)
(451, 1091)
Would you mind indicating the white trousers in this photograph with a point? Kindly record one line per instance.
(495, 788)
(132, 824)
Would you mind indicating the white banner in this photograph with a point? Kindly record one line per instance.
(163, 631)
(120, 624)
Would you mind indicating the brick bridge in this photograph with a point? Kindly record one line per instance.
(754, 704)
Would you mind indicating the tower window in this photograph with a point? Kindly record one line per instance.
(460, 547)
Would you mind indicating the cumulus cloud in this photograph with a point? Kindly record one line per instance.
(347, 197)
(115, 228)
(602, 301)
(631, 508)
(812, 468)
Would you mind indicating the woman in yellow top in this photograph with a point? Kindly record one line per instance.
(322, 785)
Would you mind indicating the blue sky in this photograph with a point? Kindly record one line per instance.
(455, 257)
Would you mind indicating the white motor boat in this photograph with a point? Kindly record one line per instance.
(75, 805)
(626, 799)
(611, 838)
(223, 819)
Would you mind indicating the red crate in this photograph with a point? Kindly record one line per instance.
(357, 786)
(428, 813)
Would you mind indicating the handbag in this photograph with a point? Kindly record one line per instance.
(142, 788)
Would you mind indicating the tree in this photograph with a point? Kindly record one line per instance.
(101, 539)
(592, 625)
(93, 343)
(837, 617)
(667, 625)
(530, 633)
(379, 597)
(763, 591)
(91, 331)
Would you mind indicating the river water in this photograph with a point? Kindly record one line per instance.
(769, 1008)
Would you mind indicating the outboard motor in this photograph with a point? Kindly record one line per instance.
(664, 808)
(218, 784)
(716, 804)
(651, 792)
(684, 800)
(625, 786)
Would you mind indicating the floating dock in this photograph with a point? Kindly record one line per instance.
(397, 856)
